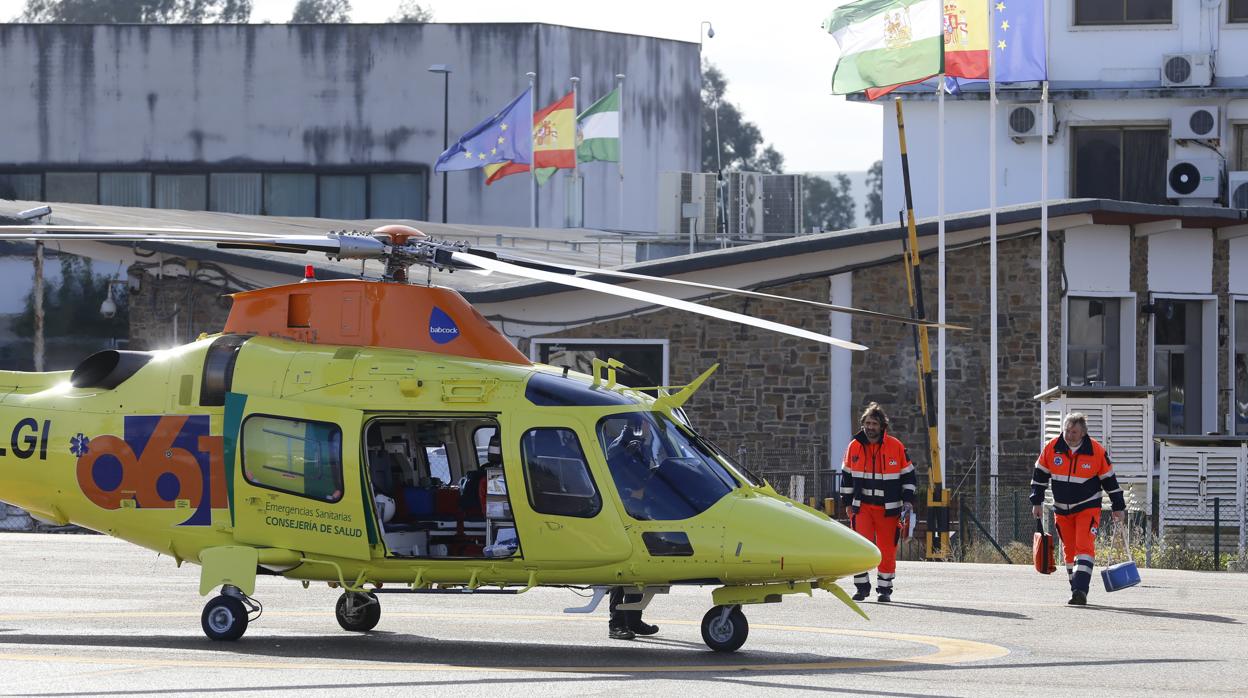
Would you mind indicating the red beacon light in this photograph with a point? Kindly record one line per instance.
(309, 274)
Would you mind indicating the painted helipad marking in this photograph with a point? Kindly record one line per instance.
(948, 650)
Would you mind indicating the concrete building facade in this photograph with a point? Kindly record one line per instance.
(340, 121)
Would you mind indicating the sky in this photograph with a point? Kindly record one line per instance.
(776, 58)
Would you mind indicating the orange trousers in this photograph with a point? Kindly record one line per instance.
(871, 523)
(1078, 532)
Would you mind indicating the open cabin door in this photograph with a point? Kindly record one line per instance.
(296, 476)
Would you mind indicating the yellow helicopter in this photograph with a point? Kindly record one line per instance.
(384, 437)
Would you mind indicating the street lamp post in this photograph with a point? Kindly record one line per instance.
(446, 111)
(719, 164)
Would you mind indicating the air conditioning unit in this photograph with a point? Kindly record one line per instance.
(679, 188)
(1195, 123)
(746, 207)
(1194, 181)
(1237, 190)
(1025, 121)
(1187, 69)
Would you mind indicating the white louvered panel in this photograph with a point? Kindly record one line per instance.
(1128, 439)
(1052, 423)
(1180, 482)
(1096, 417)
(1223, 480)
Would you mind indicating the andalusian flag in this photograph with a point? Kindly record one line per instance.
(886, 42)
(598, 130)
(554, 138)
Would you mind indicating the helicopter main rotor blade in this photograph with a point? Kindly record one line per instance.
(108, 232)
(337, 246)
(645, 296)
(849, 310)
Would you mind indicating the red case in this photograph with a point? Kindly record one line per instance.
(1042, 550)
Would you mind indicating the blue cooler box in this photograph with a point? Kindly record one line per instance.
(1120, 576)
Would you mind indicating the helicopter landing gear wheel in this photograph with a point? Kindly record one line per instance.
(358, 612)
(224, 618)
(724, 628)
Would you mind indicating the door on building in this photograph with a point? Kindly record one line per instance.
(1240, 367)
(1177, 367)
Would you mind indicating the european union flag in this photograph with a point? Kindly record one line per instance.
(1020, 40)
(506, 136)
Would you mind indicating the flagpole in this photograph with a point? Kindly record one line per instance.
(993, 418)
(532, 165)
(576, 204)
(619, 163)
(1044, 214)
(940, 262)
(1044, 237)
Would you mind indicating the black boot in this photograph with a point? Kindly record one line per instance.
(620, 620)
(640, 627)
(864, 590)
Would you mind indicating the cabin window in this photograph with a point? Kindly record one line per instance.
(1093, 349)
(293, 455)
(557, 476)
(1238, 11)
(1121, 163)
(661, 472)
(1123, 12)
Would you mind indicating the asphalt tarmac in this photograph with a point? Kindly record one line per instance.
(89, 615)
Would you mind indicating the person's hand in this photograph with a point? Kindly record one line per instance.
(1037, 511)
(907, 509)
(851, 510)
(1119, 516)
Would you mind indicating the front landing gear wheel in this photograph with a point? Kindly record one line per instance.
(724, 628)
(358, 612)
(224, 618)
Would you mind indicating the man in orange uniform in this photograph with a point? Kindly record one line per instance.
(1079, 469)
(877, 485)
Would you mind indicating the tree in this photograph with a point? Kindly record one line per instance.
(875, 193)
(321, 12)
(71, 307)
(739, 140)
(827, 205)
(137, 11)
(412, 12)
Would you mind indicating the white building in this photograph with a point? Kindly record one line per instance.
(1138, 89)
(1120, 119)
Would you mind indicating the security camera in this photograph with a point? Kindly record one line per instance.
(108, 308)
(31, 214)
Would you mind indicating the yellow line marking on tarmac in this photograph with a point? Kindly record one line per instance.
(948, 651)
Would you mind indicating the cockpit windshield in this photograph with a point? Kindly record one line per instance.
(662, 471)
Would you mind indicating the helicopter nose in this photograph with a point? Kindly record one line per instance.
(801, 542)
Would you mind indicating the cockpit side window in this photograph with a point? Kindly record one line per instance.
(662, 472)
(556, 474)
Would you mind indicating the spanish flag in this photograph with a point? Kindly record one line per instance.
(554, 143)
(966, 38)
